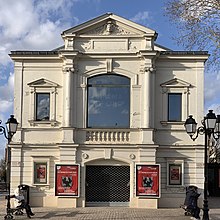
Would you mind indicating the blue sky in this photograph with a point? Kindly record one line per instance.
(37, 25)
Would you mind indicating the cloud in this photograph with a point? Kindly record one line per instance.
(7, 98)
(53, 9)
(34, 25)
(28, 25)
(94, 107)
(17, 18)
(142, 17)
(6, 106)
(6, 91)
(212, 88)
(97, 93)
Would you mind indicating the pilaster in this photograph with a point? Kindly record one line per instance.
(16, 165)
(67, 91)
(146, 71)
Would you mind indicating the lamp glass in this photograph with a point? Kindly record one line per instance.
(12, 125)
(210, 120)
(190, 125)
(217, 126)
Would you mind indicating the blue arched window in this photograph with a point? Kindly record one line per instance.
(108, 101)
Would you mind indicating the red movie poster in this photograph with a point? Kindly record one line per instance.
(41, 172)
(175, 174)
(148, 180)
(67, 180)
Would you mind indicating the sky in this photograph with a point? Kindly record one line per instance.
(37, 25)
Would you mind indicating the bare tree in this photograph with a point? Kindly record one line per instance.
(198, 23)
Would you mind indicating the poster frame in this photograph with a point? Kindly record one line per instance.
(38, 164)
(146, 195)
(77, 194)
(173, 181)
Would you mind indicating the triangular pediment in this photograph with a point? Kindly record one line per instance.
(42, 83)
(110, 25)
(175, 83)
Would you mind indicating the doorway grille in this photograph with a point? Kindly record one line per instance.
(107, 184)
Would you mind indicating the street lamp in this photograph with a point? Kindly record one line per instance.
(210, 127)
(11, 125)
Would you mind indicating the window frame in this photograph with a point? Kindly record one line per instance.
(37, 87)
(174, 86)
(108, 86)
(169, 119)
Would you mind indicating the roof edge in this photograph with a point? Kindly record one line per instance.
(37, 52)
(56, 52)
(173, 52)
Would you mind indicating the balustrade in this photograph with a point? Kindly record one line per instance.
(107, 136)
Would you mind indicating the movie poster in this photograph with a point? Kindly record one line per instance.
(148, 180)
(40, 173)
(175, 174)
(67, 180)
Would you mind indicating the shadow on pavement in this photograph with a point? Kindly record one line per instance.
(214, 202)
(58, 214)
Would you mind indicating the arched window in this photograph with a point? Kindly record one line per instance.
(108, 101)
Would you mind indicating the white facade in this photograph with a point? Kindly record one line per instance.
(111, 45)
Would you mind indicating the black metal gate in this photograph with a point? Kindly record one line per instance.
(107, 185)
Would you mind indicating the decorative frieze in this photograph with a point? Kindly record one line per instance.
(109, 28)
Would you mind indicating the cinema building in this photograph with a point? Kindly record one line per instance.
(101, 118)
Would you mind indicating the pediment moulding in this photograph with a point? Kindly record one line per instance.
(176, 83)
(109, 24)
(42, 83)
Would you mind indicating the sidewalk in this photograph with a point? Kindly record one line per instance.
(119, 213)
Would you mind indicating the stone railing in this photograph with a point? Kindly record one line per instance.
(113, 136)
(107, 136)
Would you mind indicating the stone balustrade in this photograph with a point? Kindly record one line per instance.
(107, 136)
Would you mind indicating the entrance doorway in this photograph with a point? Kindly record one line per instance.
(214, 179)
(107, 185)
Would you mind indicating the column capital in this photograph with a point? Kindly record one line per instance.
(147, 68)
(68, 69)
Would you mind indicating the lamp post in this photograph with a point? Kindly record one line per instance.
(210, 127)
(11, 125)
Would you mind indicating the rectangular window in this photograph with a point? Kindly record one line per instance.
(42, 106)
(174, 107)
